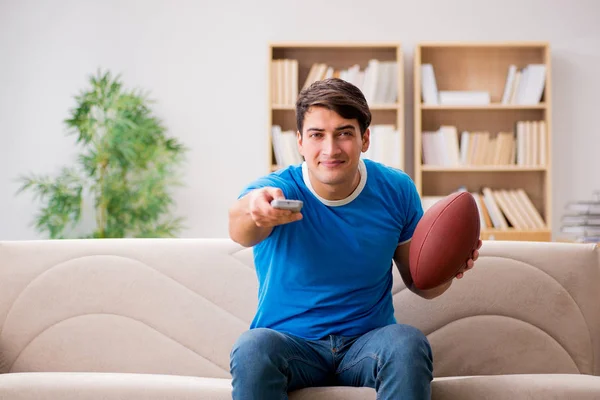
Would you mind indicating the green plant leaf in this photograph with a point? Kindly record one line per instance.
(127, 163)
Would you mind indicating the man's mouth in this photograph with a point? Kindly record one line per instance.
(332, 163)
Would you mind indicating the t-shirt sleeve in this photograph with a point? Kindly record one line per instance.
(271, 180)
(413, 211)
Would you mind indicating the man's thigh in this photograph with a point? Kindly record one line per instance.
(399, 346)
(303, 362)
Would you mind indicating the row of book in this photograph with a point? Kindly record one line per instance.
(378, 80)
(581, 220)
(501, 209)
(526, 147)
(285, 147)
(385, 146)
(523, 86)
(284, 81)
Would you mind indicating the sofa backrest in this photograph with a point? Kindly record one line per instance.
(172, 306)
(524, 308)
(176, 306)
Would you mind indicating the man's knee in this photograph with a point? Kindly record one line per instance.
(406, 341)
(254, 346)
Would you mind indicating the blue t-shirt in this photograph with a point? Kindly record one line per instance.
(331, 272)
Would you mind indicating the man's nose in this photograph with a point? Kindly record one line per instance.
(330, 146)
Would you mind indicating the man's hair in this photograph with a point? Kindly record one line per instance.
(336, 95)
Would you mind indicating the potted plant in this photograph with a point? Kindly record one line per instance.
(126, 167)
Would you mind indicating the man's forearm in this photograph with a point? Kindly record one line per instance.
(242, 228)
(432, 293)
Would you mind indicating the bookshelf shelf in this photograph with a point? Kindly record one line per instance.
(497, 106)
(476, 131)
(484, 168)
(374, 107)
(541, 235)
(292, 65)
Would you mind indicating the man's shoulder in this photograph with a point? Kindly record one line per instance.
(286, 179)
(387, 173)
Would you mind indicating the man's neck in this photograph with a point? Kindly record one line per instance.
(334, 192)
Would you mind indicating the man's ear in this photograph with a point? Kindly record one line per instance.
(299, 141)
(366, 140)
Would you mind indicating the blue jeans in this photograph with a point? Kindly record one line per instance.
(395, 360)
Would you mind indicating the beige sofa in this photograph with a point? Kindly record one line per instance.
(156, 319)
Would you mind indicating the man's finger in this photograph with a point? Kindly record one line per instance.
(275, 193)
(293, 217)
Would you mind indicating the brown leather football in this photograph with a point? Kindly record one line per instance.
(444, 240)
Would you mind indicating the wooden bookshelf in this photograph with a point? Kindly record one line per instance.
(479, 66)
(338, 56)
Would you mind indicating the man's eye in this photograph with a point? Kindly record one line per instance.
(347, 133)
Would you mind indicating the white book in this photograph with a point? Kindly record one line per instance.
(464, 97)
(450, 147)
(429, 88)
(392, 93)
(521, 143)
(371, 86)
(535, 84)
(428, 152)
(277, 144)
(464, 147)
(510, 78)
(520, 95)
(542, 141)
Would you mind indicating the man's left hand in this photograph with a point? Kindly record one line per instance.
(470, 262)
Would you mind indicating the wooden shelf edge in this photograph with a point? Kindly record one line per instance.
(345, 44)
(513, 230)
(290, 107)
(500, 44)
(374, 107)
(493, 106)
(483, 168)
(539, 235)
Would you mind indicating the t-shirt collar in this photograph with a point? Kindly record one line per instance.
(362, 169)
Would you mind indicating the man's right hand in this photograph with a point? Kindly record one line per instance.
(263, 214)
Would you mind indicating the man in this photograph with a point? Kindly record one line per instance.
(325, 315)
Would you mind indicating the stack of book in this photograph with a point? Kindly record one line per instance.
(285, 147)
(523, 86)
(378, 80)
(526, 147)
(284, 82)
(581, 221)
(385, 146)
(501, 209)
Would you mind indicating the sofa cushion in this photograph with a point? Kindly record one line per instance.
(110, 386)
(119, 386)
(517, 387)
(500, 387)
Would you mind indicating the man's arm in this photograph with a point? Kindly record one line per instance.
(401, 257)
(252, 218)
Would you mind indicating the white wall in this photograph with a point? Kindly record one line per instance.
(205, 63)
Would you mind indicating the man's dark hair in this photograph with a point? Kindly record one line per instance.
(336, 95)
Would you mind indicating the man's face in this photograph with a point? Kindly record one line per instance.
(331, 146)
